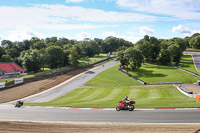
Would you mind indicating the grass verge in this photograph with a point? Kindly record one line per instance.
(157, 73)
(187, 63)
(153, 97)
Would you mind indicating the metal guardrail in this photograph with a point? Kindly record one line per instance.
(194, 74)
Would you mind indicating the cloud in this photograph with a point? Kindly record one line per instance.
(184, 30)
(179, 9)
(20, 35)
(74, 1)
(58, 16)
(109, 33)
(146, 31)
(82, 35)
(181, 29)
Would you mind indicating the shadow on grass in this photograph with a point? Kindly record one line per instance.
(140, 73)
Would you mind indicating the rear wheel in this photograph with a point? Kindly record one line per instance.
(118, 108)
(132, 108)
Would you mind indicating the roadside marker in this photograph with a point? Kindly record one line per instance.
(197, 98)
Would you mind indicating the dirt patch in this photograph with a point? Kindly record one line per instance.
(37, 127)
(35, 87)
(191, 87)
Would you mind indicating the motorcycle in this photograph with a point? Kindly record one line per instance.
(129, 105)
(19, 104)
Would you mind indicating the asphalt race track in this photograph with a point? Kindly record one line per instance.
(41, 114)
(53, 114)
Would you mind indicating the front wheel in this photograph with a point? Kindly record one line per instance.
(132, 108)
(118, 108)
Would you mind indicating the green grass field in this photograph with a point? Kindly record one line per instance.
(109, 87)
(156, 73)
(145, 97)
(187, 63)
(112, 77)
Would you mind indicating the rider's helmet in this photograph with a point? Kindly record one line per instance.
(126, 97)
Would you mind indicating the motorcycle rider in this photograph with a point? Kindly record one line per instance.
(126, 101)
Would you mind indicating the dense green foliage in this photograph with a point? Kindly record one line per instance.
(195, 42)
(53, 52)
(130, 57)
(153, 50)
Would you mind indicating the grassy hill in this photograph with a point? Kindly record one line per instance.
(110, 86)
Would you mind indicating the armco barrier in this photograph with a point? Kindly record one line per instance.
(194, 74)
(185, 91)
(159, 83)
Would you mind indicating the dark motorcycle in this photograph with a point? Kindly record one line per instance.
(19, 104)
(125, 105)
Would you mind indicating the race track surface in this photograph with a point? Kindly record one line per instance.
(9, 112)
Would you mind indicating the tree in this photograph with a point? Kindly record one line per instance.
(195, 42)
(150, 47)
(165, 58)
(180, 42)
(38, 45)
(111, 44)
(73, 57)
(187, 40)
(195, 34)
(43, 55)
(7, 44)
(32, 60)
(55, 56)
(13, 52)
(6, 58)
(134, 57)
(176, 53)
(120, 56)
(2, 51)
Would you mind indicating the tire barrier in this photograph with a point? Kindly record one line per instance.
(185, 91)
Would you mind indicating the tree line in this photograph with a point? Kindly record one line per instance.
(153, 50)
(55, 52)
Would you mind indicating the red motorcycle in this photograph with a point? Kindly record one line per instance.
(129, 105)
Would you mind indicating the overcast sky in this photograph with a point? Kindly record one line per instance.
(79, 19)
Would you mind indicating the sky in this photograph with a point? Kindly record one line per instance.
(79, 19)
